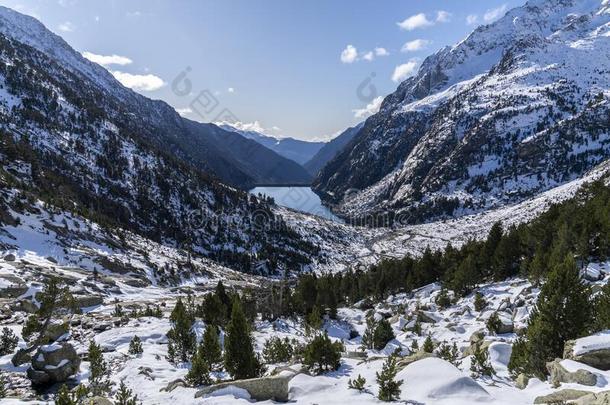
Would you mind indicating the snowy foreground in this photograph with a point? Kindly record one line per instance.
(426, 381)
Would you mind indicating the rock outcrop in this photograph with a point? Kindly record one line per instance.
(53, 363)
(559, 374)
(260, 389)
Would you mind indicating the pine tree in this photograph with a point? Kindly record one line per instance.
(8, 341)
(2, 386)
(118, 311)
(602, 309)
(99, 383)
(382, 335)
(277, 350)
(428, 346)
(135, 346)
(124, 396)
(240, 359)
(211, 347)
(357, 384)
(199, 374)
(389, 389)
(479, 302)
(563, 312)
(181, 339)
(64, 397)
(449, 353)
(314, 320)
(414, 346)
(442, 299)
(55, 300)
(479, 364)
(493, 323)
(321, 354)
(367, 341)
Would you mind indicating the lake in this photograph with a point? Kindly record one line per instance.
(298, 198)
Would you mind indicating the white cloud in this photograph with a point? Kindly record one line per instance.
(106, 60)
(139, 82)
(381, 52)
(401, 72)
(66, 27)
(231, 90)
(349, 54)
(472, 19)
(494, 13)
(415, 21)
(370, 108)
(255, 126)
(368, 56)
(183, 111)
(415, 45)
(443, 16)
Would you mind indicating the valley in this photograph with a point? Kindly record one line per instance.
(452, 246)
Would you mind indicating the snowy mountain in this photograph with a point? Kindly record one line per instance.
(518, 107)
(72, 137)
(331, 149)
(233, 159)
(290, 148)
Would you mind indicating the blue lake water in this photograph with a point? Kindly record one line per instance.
(298, 198)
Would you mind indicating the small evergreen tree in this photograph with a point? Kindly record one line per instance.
(428, 346)
(124, 396)
(563, 311)
(55, 300)
(414, 346)
(314, 320)
(211, 347)
(479, 302)
(99, 383)
(199, 374)
(382, 335)
(8, 341)
(118, 311)
(602, 309)
(389, 389)
(479, 364)
(449, 353)
(181, 339)
(240, 359)
(493, 323)
(277, 350)
(321, 354)
(442, 299)
(135, 346)
(2, 386)
(357, 384)
(64, 397)
(367, 341)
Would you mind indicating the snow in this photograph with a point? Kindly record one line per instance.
(599, 341)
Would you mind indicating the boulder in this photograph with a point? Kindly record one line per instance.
(10, 258)
(560, 397)
(84, 301)
(53, 363)
(172, 385)
(405, 361)
(506, 323)
(55, 330)
(592, 350)
(559, 374)
(522, 381)
(260, 389)
(13, 291)
(483, 345)
(477, 337)
(426, 317)
(597, 398)
(21, 357)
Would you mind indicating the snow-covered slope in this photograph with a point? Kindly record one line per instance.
(518, 107)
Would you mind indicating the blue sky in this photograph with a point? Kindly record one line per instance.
(304, 69)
